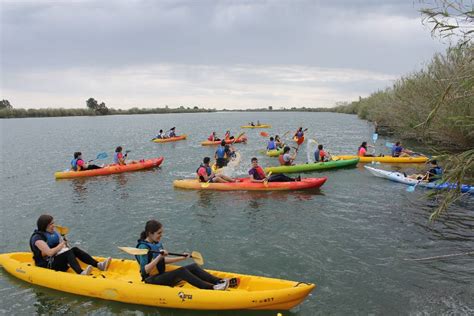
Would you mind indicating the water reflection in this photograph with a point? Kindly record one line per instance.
(79, 190)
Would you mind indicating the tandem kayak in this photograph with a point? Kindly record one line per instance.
(386, 159)
(308, 167)
(274, 152)
(401, 178)
(244, 184)
(257, 126)
(170, 139)
(122, 283)
(241, 139)
(110, 169)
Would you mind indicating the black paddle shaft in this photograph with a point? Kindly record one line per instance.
(172, 254)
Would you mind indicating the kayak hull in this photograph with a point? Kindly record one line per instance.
(257, 126)
(246, 185)
(242, 139)
(170, 139)
(274, 152)
(309, 167)
(400, 178)
(122, 283)
(387, 159)
(111, 169)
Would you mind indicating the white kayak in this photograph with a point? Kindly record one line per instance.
(401, 178)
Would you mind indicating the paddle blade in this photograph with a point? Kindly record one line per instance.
(389, 145)
(265, 183)
(411, 188)
(375, 136)
(134, 251)
(197, 257)
(240, 135)
(264, 134)
(62, 230)
(205, 184)
(102, 155)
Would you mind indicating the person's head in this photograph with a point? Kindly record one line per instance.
(364, 144)
(272, 139)
(45, 223)
(254, 162)
(223, 142)
(153, 231)
(161, 131)
(77, 154)
(213, 133)
(232, 137)
(300, 129)
(172, 129)
(286, 149)
(277, 137)
(227, 132)
(118, 149)
(398, 144)
(320, 147)
(434, 162)
(206, 160)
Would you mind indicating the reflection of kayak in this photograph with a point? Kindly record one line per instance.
(387, 159)
(170, 139)
(274, 152)
(122, 283)
(246, 185)
(241, 139)
(111, 169)
(400, 177)
(333, 164)
(257, 126)
(234, 162)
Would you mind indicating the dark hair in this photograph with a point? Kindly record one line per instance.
(173, 128)
(364, 144)
(77, 154)
(43, 222)
(223, 142)
(271, 138)
(161, 131)
(118, 149)
(397, 144)
(152, 226)
(232, 137)
(434, 162)
(206, 160)
(286, 149)
(320, 146)
(276, 136)
(254, 159)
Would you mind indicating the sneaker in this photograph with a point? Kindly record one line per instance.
(104, 265)
(234, 282)
(222, 286)
(87, 270)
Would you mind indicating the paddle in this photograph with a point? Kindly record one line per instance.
(62, 230)
(126, 153)
(240, 135)
(196, 256)
(101, 155)
(375, 136)
(264, 134)
(390, 145)
(265, 182)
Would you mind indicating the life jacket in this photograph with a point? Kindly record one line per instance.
(317, 157)
(211, 138)
(221, 152)
(436, 172)
(271, 145)
(41, 261)
(159, 136)
(172, 134)
(116, 159)
(282, 161)
(259, 174)
(299, 134)
(74, 164)
(396, 151)
(208, 171)
(155, 251)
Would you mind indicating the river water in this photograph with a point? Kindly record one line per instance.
(350, 237)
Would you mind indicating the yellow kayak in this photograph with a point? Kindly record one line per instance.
(122, 283)
(386, 159)
(257, 126)
(170, 139)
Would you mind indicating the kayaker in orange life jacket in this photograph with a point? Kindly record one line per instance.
(257, 174)
(285, 158)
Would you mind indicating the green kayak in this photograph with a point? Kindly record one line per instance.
(314, 166)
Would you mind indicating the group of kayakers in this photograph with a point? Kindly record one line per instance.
(168, 134)
(50, 250)
(78, 163)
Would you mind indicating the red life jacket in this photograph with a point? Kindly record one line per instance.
(283, 162)
(260, 172)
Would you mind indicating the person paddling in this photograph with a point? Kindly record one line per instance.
(271, 144)
(278, 142)
(257, 174)
(221, 155)
(205, 174)
(227, 135)
(362, 151)
(160, 135)
(119, 158)
(50, 250)
(320, 155)
(285, 158)
(78, 164)
(172, 132)
(299, 135)
(399, 151)
(213, 137)
(153, 265)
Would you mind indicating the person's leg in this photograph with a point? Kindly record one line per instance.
(84, 256)
(280, 178)
(226, 178)
(173, 277)
(91, 167)
(202, 274)
(65, 260)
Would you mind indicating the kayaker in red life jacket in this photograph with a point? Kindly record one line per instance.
(286, 159)
(78, 164)
(50, 250)
(227, 135)
(153, 265)
(320, 155)
(257, 174)
(213, 137)
(205, 174)
(119, 158)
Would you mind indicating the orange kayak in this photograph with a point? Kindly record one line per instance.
(170, 139)
(241, 139)
(244, 184)
(110, 169)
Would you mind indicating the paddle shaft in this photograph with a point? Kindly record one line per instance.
(173, 254)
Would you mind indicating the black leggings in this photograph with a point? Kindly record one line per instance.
(193, 274)
(69, 258)
(91, 167)
(280, 178)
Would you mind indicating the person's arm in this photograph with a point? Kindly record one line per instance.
(49, 252)
(177, 259)
(152, 264)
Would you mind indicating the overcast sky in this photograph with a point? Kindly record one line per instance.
(222, 54)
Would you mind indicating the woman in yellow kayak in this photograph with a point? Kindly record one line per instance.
(50, 250)
(153, 264)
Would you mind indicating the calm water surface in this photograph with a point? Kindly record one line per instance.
(350, 237)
